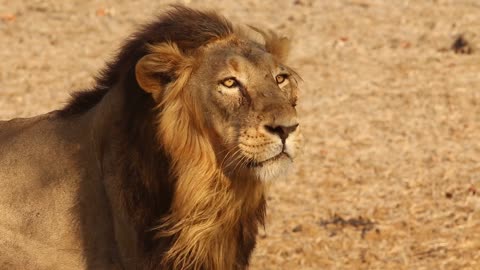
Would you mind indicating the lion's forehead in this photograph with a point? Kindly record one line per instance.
(240, 58)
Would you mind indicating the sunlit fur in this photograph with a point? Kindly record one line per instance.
(207, 204)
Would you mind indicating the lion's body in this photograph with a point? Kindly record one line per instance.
(161, 165)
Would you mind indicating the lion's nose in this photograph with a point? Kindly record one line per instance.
(281, 131)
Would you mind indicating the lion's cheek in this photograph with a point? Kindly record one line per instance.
(294, 145)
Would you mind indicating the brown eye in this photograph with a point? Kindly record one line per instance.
(230, 83)
(281, 78)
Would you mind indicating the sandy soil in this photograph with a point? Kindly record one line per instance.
(390, 178)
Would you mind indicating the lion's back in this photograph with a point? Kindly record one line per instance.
(38, 196)
(30, 152)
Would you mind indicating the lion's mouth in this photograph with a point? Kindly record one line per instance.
(256, 164)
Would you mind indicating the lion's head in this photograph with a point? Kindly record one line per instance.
(237, 91)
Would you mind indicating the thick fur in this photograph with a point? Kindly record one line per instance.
(129, 175)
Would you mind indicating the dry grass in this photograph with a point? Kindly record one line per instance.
(390, 178)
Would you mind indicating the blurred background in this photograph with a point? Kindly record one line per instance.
(390, 108)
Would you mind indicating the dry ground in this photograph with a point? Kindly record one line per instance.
(390, 178)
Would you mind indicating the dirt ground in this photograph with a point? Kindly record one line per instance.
(390, 176)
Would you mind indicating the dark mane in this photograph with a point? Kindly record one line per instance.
(186, 27)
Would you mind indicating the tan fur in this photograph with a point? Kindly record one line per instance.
(220, 146)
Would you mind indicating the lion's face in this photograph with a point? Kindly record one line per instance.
(248, 98)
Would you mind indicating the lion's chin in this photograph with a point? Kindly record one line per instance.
(272, 169)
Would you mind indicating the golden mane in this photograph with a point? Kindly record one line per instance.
(206, 205)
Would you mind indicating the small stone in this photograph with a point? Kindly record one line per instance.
(297, 228)
(461, 45)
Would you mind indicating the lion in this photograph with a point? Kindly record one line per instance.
(163, 163)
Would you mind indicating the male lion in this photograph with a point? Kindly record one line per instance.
(162, 164)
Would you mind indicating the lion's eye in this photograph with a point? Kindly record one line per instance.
(230, 83)
(280, 78)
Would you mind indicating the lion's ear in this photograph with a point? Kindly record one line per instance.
(280, 47)
(274, 44)
(156, 70)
